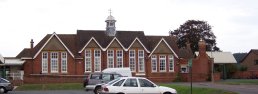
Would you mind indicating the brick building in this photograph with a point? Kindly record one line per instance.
(251, 60)
(69, 57)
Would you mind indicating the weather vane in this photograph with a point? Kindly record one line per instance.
(110, 11)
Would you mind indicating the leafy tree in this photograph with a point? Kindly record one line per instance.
(194, 30)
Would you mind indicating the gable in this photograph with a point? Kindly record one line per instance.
(162, 49)
(54, 45)
(115, 44)
(92, 44)
(53, 36)
(136, 44)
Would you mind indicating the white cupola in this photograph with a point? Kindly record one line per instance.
(111, 26)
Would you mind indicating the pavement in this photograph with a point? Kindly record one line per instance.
(240, 89)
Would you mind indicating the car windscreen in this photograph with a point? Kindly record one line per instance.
(95, 76)
(2, 80)
(113, 81)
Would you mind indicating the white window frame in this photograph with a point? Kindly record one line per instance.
(132, 61)
(161, 59)
(44, 65)
(110, 58)
(119, 59)
(54, 62)
(97, 65)
(171, 63)
(88, 61)
(64, 62)
(154, 63)
(141, 65)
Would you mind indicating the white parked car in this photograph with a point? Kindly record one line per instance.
(134, 85)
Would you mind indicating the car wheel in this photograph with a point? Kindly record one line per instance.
(2, 90)
(5, 91)
(97, 90)
(167, 93)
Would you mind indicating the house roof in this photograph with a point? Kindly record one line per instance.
(170, 41)
(24, 53)
(221, 57)
(255, 51)
(76, 43)
(239, 56)
(1, 59)
(13, 61)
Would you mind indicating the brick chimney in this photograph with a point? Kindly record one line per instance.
(31, 43)
(202, 47)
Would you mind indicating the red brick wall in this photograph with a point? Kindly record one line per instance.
(71, 64)
(249, 61)
(162, 76)
(76, 69)
(216, 76)
(246, 75)
(27, 67)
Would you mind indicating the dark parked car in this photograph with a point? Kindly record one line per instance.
(95, 80)
(5, 86)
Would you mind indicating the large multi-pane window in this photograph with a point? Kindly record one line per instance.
(132, 60)
(110, 58)
(162, 63)
(87, 60)
(141, 60)
(54, 62)
(154, 63)
(119, 58)
(44, 66)
(171, 63)
(97, 60)
(64, 62)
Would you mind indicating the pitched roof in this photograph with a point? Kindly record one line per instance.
(76, 43)
(239, 56)
(154, 41)
(24, 53)
(255, 51)
(70, 41)
(221, 57)
(124, 37)
(53, 35)
(13, 61)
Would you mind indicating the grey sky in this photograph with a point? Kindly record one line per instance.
(234, 21)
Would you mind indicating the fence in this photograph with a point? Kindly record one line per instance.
(15, 75)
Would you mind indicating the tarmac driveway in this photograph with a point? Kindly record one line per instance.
(241, 89)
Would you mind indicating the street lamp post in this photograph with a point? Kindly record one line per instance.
(190, 63)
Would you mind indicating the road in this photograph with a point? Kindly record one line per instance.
(241, 89)
(52, 92)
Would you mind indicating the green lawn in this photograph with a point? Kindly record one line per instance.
(61, 86)
(186, 90)
(240, 82)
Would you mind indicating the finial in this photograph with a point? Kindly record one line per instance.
(110, 11)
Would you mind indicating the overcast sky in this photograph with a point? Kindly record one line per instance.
(234, 22)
